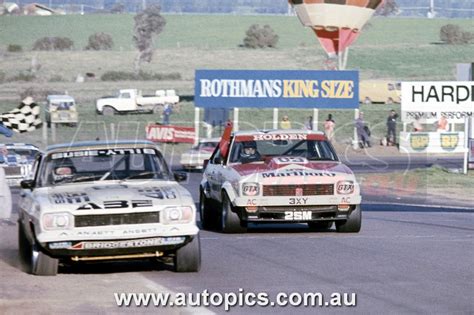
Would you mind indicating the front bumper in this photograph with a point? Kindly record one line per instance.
(300, 214)
(114, 248)
(297, 200)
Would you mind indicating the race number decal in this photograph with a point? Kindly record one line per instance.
(290, 160)
(297, 215)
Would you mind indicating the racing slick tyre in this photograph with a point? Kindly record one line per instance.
(230, 221)
(352, 224)
(42, 264)
(208, 221)
(320, 226)
(188, 257)
(24, 247)
(37, 263)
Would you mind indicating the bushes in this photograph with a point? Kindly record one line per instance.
(100, 41)
(14, 48)
(260, 37)
(454, 35)
(53, 43)
(141, 76)
(22, 76)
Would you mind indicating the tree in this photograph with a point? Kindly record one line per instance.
(148, 23)
(454, 35)
(260, 37)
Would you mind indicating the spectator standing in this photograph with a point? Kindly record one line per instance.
(362, 131)
(392, 128)
(309, 123)
(442, 124)
(285, 123)
(329, 126)
(166, 114)
(417, 126)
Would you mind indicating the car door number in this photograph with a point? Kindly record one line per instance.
(297, 215)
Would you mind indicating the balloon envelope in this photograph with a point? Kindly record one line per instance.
(336, 23)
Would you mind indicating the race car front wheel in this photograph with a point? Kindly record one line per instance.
(188, 257)
(230, 221)
(37, 263)
(352, 224)
(208, 221)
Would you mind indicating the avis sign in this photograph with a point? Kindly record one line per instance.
(170, 134)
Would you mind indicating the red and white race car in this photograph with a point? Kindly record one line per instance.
(278, 176)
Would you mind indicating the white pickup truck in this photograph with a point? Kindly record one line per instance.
(131, 101)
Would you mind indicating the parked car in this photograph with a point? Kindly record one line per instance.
(279, 176)
(132, 101)
(378, 91)
(98, 201)
(61, 109)
(17, 159)
(194, 158)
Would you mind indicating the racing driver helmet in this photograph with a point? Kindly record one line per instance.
(64, 170)
(249, 152)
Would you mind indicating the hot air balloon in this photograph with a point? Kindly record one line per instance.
(336, 23)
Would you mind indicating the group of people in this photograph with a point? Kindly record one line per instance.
(329, 125)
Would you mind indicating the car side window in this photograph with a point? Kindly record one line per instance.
(125, 95)
(391, 87)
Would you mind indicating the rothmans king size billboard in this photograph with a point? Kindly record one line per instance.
(276, 88)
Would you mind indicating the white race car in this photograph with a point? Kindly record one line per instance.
(105, 201)
(194, 158)
(278, 176)
(17, 160)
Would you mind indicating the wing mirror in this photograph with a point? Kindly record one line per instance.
(180, 176)
(206, 161)
(27, 184)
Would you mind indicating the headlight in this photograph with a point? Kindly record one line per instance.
(250, 189)
(176, 215)
(345, 187)
(57, 221)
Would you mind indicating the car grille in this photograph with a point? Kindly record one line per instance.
(12, 170)
(298, 190)
(116, 219)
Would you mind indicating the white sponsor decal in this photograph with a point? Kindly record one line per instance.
(291, 173)
(148, 242)
(71, 154)
(290, 136)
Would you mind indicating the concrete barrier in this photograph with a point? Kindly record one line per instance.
(5, 197)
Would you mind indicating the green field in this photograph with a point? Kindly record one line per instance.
(397, 49)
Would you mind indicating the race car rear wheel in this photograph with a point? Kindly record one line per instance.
(352, 224)
(208, 220)
(230, 221)
(188, 257)
(320, 226)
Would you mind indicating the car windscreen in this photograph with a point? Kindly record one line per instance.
(306, 146)
(102, 165)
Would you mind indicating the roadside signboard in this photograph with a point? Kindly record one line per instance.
(171, 134)
(428, 101)
(274, 89)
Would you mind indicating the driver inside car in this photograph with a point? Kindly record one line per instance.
(249, 152)
(65, 171)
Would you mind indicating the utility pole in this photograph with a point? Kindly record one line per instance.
(431, 12)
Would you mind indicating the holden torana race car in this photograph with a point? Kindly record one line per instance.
(17, 160)
(278, 176)
(194, 158)
(105, 201)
